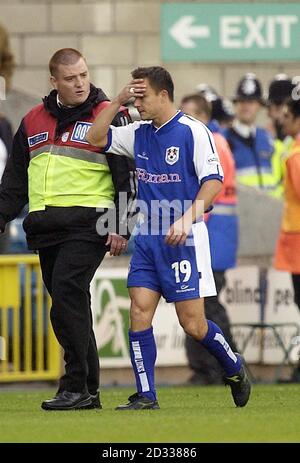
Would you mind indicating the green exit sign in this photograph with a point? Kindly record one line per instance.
(230, 32)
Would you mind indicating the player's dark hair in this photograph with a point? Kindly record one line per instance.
(159, 78)
(294, 106)
(203, 106)
(64, 56)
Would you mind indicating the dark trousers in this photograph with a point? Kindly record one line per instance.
(296, 285)
(4, 241)
(67, 270)
(206, 368)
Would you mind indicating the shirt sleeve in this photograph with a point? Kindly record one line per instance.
(3, 157)
(14, 182)
(206, 159)
(120, 140)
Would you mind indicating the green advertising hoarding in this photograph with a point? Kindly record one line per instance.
(230, 32)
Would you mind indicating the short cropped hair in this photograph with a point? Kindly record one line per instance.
(294, 107)
(65, 56)
(159, 78)
(203, 106)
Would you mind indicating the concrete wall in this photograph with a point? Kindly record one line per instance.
(115, 36)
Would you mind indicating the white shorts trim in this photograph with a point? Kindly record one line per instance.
(207, 285)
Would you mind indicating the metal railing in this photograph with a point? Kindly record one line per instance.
(28, 348)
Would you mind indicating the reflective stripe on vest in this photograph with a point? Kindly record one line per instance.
(223, 209)
(69, 151)
(67, 177)
(248, 176)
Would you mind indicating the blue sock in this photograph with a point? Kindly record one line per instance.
(143, 355)
(217, 345)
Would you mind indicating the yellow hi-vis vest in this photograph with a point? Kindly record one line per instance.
(278, 160)
(67, 171)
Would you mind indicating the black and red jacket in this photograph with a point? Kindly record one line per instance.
(57, 224)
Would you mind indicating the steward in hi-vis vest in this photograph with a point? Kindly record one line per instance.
(72, 190)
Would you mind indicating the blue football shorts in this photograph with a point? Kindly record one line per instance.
(177, 272)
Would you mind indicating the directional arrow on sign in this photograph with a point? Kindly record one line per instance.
(183, 32)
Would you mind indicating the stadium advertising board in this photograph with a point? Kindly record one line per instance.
(110, 304)
(241, 297)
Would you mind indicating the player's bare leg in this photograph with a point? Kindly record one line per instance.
(143, 305)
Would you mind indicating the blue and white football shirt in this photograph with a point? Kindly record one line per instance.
(172, 162)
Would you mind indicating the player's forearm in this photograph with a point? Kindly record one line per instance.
(204, 199)
(97, 135)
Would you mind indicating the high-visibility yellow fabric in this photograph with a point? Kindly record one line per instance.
(65, 181)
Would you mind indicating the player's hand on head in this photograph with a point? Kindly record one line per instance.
(134, 89)
(117, 244)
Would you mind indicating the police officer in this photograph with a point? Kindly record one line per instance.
(69, 185)
(252, 146)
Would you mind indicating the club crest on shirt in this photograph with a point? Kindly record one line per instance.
(172, 155)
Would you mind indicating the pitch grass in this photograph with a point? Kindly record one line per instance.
(188, 414)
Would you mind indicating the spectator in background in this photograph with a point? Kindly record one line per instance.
(6, 72)
(222, 225)
(222, 112)
(252, 146)
(6, 58)
(287, 255)
(280, 90)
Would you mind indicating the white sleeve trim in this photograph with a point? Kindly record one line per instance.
(205, 157)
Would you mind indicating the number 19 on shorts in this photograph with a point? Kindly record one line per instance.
(182, 271)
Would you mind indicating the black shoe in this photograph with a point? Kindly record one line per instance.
(95, 402)
(139, 402)
(68, 401)
(240, 386)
